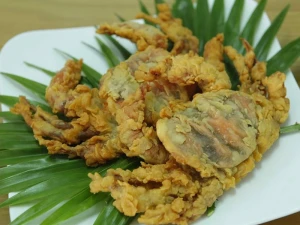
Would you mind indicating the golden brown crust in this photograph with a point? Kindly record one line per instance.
(182, 38)
(142, 34)
(167, 193)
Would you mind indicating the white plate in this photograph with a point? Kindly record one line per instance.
(269, 192)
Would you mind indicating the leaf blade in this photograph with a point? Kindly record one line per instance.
(124, 52)
(217, 20)
(10, 101)
(263, 47)
(110, 57)
(184, 10)
(233, 23)
(251, 25)
(45, 71)
(284, 58)
(202, 23)
(37, 88)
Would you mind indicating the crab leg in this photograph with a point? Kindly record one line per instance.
(166, 193)
(213, 52)
(142, 34)
(183, 39)
(58, 135)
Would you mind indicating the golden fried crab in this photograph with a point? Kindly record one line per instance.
(173, 109)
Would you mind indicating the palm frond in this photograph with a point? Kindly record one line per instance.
(8, 116)
(202, 23)
(233, 24)
(37, 88)
(217, 18)
(252, 24)
(145, 10)
(184, 9)
(289, 129)
(76, 204)
(121, 19)
(109, 55)
(283, 59)
(10, 101)
(124, 52)
(48, 72)
(93, 48)
(263, 47)
(110, 215)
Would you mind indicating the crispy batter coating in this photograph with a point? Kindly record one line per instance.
(92, 129)
(193, 150)
(183, 38)
(165, 193)
(59, 136)
(134, 94)
(217, 128)
(248, 121)
(142, 34)
(214, 140)
(190, 68)
(213, 52)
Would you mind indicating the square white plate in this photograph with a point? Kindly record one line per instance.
(269, 192)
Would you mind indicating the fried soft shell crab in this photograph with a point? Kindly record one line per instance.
(173, 109)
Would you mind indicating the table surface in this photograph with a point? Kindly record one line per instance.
(18, 16)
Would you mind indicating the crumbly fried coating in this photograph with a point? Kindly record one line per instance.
(75, 139)
(190, 68)
(188, 128)
(91, 132)
(216, 138)
(142, 34)
(134, 94)
(197, 149)
(183, 38)
(214, 51)
(217, 128)
(165, 193)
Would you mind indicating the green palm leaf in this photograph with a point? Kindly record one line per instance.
(289, 129)
(252, 24)
(8, 116)
(233, 23)
(202, 23)
(93, 48)
(10, 101)
(263, 47)
(217, 18)
(11, 157)
(144, 9)
(121, 19)
(14, 128)
(283, 59)
(124, 52)
(109, 55)
(48, 72)
(76, 204)
(184, 9)
(43, 206)
(112, 216)
(37, 88)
